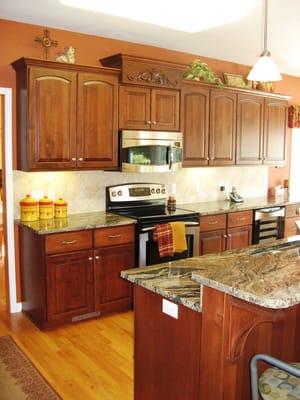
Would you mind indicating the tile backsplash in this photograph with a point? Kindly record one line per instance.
(85, 190)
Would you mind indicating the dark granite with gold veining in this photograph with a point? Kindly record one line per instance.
(219, 207)
(76, 222)
(267, 275)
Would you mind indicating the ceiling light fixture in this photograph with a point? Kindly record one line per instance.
(195, 16)
(265, 70)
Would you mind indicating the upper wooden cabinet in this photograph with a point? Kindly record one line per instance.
(232, 126)
(151, 109)
(67, 116)
(222, 132)
(250, 129)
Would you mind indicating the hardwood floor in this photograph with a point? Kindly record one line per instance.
(88, 360)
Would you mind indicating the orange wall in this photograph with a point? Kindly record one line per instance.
(18, 41)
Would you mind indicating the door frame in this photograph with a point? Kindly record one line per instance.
(8, 202)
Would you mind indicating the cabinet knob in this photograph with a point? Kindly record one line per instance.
(73, 159)
(154, 122)
(207, 158)
(97, 257)
(80, 159)
(212, 158)
(229, 235)
(225, 236)
(149, 122)
(90, 258)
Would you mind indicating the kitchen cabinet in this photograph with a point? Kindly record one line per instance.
(69, 284)
(70, 276)
(195, 125)
(149, 109)
(292, 215)
(250, 129)
(222, 232)
(67, 116)
(222, 132)
(227, 126)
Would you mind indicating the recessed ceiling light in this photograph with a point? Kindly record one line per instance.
(192, 16)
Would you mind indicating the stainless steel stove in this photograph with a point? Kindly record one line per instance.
(146, 203)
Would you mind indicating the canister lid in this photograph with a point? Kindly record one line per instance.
(28, 201)
(45, 201)
(60, 202)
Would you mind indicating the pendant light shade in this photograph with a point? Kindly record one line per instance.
(265, 70)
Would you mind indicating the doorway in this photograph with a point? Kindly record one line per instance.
(3, 269)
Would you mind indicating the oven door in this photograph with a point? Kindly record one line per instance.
(151, 151)
(148, 250)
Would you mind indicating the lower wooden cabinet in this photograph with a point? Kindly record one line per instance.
(69, 284)
(292, 215)
(65, 279)
(212, 242)
(239, 237)
(111, 291)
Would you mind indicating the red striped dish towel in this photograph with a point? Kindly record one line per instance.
(163, 235)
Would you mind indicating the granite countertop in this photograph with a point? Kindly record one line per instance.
(219, 207)
(76, 222)
(266, 275)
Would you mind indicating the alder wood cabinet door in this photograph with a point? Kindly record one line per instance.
(110, 288)
(239, 237)
(69, 284)
(165, 110)
(222, 128)
(275, 132)
(250, 129)
(97, 122)
(212, 242)
(195, 125)
(51, 119)
(134, 108)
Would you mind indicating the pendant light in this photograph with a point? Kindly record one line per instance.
(265, 70)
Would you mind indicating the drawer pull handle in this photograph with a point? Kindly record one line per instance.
(298, 211)
(241, 219)
(114, 236)
(212, 222)
(69, 242)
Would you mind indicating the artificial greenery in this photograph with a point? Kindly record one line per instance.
(199, 71)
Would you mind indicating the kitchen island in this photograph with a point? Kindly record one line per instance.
(199, 321)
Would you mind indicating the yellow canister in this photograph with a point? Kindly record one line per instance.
(60, 208)
(46, 208)
(28, 209)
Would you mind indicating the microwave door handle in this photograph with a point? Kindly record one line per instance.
(170, 157)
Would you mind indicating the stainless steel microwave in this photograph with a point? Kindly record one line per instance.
(150, 151)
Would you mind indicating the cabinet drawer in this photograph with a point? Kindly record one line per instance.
(290, 228)
(292, 210)
(68, 241)
(240, 218)
(116, 235)
(212, 222)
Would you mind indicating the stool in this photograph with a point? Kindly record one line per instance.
(282, 381)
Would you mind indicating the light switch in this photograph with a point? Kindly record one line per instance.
(170, 308)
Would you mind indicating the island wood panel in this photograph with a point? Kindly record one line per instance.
(275, 131)
(222, 135)
(134, 107)
(233, 331)
(97, 124)
(250, 129)
(112, 293)
(51, 118)
(195, 125)
(290, 227)
(167, 350)
(165, 109)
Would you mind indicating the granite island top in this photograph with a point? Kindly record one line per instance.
(74, 222)
(266, 275)
(224, 206)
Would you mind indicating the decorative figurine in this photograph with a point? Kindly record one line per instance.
(46, 43)
(68, 56)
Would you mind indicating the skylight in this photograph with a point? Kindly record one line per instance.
(190, 16)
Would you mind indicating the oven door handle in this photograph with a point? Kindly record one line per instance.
(187, 225)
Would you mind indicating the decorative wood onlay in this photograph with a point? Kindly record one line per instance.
(152, 76)
(243, 318)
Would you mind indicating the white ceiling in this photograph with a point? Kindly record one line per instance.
(239, 41)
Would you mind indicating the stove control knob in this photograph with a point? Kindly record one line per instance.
(113, 194)
(157, 190)
(120, 193)
(163, 191)
(152, 191)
